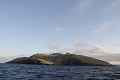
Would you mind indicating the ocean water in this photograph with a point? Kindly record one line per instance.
(48, 72)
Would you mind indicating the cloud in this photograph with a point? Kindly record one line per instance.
(58, 30)
(110, 55)
(103, 27)
(111, 58)
(84, 5)
(98, 52)
(117, 44)
(101, 50)
(53, 47)
(3, 59)
(6, 58)
(115, 4)
(79, 44)
(98, 49)
(115, 62)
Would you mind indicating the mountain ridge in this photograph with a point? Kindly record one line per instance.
(60, 59)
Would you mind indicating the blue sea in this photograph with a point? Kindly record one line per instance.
(50, 72)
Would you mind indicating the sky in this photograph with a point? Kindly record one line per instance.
(84, 27)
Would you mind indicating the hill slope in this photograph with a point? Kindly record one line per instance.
(60, 59)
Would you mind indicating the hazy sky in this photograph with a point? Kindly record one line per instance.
(87, 27)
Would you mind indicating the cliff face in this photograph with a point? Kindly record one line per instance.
(60, 59)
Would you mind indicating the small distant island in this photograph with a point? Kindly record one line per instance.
(60, 59)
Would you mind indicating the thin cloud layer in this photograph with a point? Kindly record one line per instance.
(117, 44)
(53, 47)
(28, 28)
(102, 27)
(79, 44)
(2, 59)
(113, 6)
(58, 30)
(115, 62)
(84, 5)
(97, 51)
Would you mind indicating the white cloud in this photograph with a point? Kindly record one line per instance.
(98, 49)
(3, 60)
(84, 5)
(103, 27)
(6, 58)
(95, 51)
(115, 62)
(101, 50)
(117, 44)
(79, 44)
(58, 29)
(53, 47)
(115, 4)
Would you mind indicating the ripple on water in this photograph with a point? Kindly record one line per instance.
(47, 72)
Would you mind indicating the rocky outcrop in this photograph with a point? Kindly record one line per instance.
(60, 59)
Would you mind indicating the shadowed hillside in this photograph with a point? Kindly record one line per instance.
(60, 59)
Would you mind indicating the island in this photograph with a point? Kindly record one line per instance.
(60, 59)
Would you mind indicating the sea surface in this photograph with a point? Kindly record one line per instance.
(48, 72)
